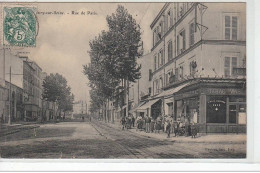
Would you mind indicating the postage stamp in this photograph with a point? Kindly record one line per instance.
(19, 26)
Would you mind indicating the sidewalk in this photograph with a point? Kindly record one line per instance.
(6, 129)
(209, 138)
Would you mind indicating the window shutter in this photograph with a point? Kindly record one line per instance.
(234, 28)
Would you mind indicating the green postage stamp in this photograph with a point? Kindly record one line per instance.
(19, 26)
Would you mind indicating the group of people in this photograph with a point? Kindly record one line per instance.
(128, 122)
(167, 125)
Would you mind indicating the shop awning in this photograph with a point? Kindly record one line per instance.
(172, 91)
(147, 105)
(134, 109)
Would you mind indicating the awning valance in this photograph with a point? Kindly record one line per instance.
(172, 91)
(147, 105)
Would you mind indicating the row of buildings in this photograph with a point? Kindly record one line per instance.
(196, 70)
(21, 89)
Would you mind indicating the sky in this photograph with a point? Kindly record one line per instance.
(62, 43)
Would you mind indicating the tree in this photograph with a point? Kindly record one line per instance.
(55, 89)
(125, 47)
(113, 55)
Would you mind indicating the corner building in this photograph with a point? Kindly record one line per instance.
(199, 65)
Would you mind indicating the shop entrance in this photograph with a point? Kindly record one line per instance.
(216, 110)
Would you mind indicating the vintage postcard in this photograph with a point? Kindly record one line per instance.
(124, 80)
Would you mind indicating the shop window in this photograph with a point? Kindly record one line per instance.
(216, 109)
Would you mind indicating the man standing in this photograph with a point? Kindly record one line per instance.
(133, 121)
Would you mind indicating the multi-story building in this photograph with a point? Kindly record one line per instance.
(11, 69)
(199, 55)
(32, 85)
(141, 89)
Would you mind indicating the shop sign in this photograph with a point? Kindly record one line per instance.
(187, 94)
(223, 91)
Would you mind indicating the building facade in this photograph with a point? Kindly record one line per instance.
(11, 102)
(199, 65)
(32, 85)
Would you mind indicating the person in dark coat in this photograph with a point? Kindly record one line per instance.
(168, 129)
(133, 121)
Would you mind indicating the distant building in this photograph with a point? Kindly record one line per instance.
(80, 107)
(199, 56)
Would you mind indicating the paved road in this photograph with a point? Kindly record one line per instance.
(97, 140)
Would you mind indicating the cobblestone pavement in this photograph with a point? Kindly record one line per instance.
(98, 140)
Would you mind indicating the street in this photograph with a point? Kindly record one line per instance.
(99, 140)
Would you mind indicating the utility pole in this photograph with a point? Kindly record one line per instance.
(10, 75)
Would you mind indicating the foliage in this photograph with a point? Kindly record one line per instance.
(113, 56)
(55, 88)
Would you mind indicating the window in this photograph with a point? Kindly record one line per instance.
(168, 76)
(177, 74)
(155, 63)
(229, 64)
(161, 83)
(181, 71)
(161, 58)
(181, 42)
(169, 19)
(193, 66)
(192, 30)
(154, 37)
(231, 25)
(157, 86)
(183, 39)
(160, 32)
(170, 50)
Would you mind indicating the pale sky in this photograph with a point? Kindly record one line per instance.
(63, 40)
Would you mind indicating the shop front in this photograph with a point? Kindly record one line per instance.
(152, 108)
(217, 106)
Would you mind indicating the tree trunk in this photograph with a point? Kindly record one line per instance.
(107, 110)
(126, 95)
